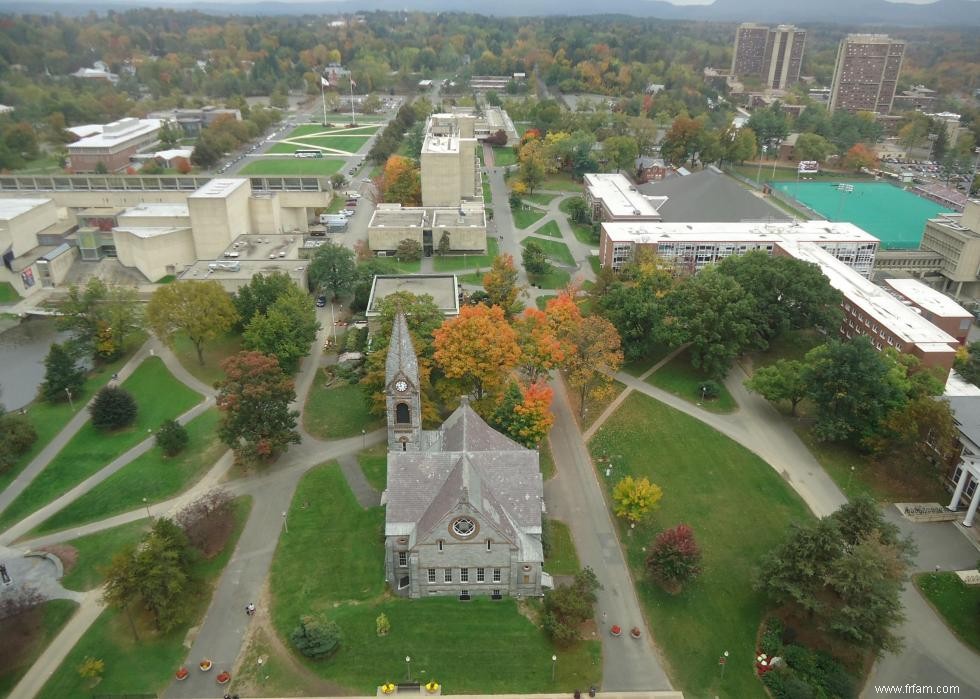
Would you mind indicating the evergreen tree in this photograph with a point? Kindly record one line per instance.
(172, 437)
(61, 375)
(113, 408)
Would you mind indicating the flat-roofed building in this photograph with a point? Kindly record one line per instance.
(443, 288)
(449, 167)
(29, 263)
(690, 247)
(465, 227)
(773, 54)
(219, 213)
(612, 197)
(113, 145)
(935, 306)
(957, 238)
(156, 239)
(866, 73)
(192, 121)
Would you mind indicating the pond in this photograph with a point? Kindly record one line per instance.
(23, 348)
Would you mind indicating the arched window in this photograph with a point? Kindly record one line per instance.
(402, 416)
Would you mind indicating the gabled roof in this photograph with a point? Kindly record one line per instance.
(464, 430)
(401, 354)
(710, 196)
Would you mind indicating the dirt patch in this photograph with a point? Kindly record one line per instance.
(68, 555)
(21, 634)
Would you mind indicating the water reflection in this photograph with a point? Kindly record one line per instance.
(22, 352)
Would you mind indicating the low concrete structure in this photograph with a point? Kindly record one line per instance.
(32, 244)
(234, 276)
(465, 226)
(443, 288)
(113, 145)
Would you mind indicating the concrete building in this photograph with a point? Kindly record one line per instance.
(495, 83)
(443, 288)
(98, 71)
(612, 197)
(465, 226)
(449, 166)
(956, 237)
(935, 306)
(193, 120)
(31, 244)
(489, 122)
(690, 247)
(113, 145)
(156, 239)
(919, 98)
(221, 213)
(774, 55)
(866, 73)
(463, 502)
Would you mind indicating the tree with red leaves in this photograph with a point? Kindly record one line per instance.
(254, 397)
(674, 558)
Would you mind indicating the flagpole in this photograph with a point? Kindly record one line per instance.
(352, 119)
(323, 97)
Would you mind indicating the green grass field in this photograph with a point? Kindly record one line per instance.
(338, 127)
(374, 466)
(554, 278)
(739, 508)
(292, 166)
(545, 460)
(444, 638)
(680, 378)
(152, 476)
(888, 212)
(549, 229)
(342, 142)
(147, 665)
(524, 218)
(454, 263)
(487, 194)
(562, 558)
(561, 182)
(956, 602)
(8, 294)
(640, 366)
(159, 397)
(503, 156)
(540, 199)
(340, 411)
(95, 551)
(52, 616)
(542, 301)
(554, 250)
(215, 352)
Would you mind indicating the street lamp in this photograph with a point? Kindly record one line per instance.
(285, 525)
(408, 666)
(363, 439)
(147, 506)
(758, 174)
(554, 667)
(724, 663)
(70, 403)
(849, 477)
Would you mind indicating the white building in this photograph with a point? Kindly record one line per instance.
(612, 197)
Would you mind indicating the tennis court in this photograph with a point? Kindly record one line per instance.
(885, 211)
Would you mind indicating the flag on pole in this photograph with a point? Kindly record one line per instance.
(324, 82)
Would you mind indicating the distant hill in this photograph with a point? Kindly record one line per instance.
(953, 13)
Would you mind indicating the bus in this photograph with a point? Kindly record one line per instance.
(308, 154)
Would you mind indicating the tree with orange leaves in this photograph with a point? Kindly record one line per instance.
(524, 413)
(401, 182)
(564, 316)
(501, 285)
(540, 349)
(595, 355)
(478, 347)
(860, 156)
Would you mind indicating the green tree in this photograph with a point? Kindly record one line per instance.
(254, 399)
(531, 173)
(61, 375)
(967, 363)
(500, 283)
(17, 434)
(534, 259)
(332, 269)
(286, 330)
(170, 134)
(409, 250)
(940, 145)
(920, 434)
(713, 313)
(102, 319)
(567, 607)
(444, 245)
(811, 146)
(172, 437)
(743, 146)
(780, 381)
(202, 311)
(257, 297)
(635, 498)
(914, 132)
(206, 154)
(316, 638)
(853, 387)
(578, 210)
(770, 125)
(113, 408)
(621, 152)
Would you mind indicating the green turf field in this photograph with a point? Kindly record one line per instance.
(292, 166)
(891, 214)
(309, 136)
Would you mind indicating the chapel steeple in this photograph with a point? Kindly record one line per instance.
(403, 398)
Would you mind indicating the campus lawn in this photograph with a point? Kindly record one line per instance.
(540, 199)
(8, 294)
(374, 466)
(562, 558)
(542, 301)
(47, 621)
(407, 266)
(152, 477)
(50, 418)
(549, 229)
(342, 410)
(595, 263)
(159, 397)
(215, 352)
(95, 551)
(341, 142)
(593, 408)
(565, 205)
(292, 166)
(956, 602)
(561, 182)
(680, 378)
(454, 263)
(639, 366)
(448, 641)
(526, 217)
(583, 233)
(739, 508)
(339, 128)
(790, 345)
(474, 278)
(789, 174)
(147, 665)
(336, 204)
(504, 155)
(554, 278)
(545, 460)
(554, 250)
(487, 194)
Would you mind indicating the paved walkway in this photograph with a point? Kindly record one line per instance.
(363, 491)
(575, 497)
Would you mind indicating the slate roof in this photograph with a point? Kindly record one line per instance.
(709, 196)
(966, 412)
(401, 354)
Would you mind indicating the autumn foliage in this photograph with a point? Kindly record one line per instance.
(401, 182)
(477, 347)
(540, 349)
(860, 156)
(674, 558)
(524, 413)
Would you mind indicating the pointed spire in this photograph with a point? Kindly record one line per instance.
(401, 353)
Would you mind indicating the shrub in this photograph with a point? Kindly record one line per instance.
(382, 625)
(113, 408)
(207, 521)
(91, 668)
(172, 437)
(772, 638)
(674, 558)
(709, 390)
(568, 606)
(316, 638)
(409, 250)
(17, 434)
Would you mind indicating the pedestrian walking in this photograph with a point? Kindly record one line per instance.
(249, 609)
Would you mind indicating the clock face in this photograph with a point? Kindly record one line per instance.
(401, 385)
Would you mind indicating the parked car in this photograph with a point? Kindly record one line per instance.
(321, 301)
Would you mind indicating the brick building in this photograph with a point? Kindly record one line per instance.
(113, 145)
(866, 73)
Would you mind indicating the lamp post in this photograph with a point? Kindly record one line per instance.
(758, 174)
(408, 667)
(147, 506)
(554, 667)
(724, 662)
(363, 439)
(849, 477)
(285, 524)
(71, 404)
